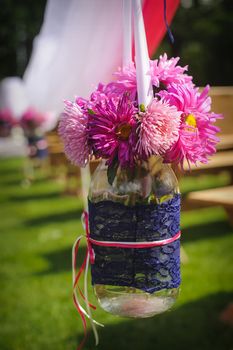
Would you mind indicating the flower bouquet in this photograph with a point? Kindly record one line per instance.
(7, 122)
(32, 122)
(177, 125)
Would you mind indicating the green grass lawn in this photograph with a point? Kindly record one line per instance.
(38, 227)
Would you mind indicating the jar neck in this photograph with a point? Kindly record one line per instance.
(142, 168)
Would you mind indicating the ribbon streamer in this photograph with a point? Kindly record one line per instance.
(76, 277)
(171, 37)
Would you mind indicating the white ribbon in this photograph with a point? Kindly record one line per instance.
(144, 87)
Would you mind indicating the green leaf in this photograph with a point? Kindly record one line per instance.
(112, 170)
(90, 111)
(142, 108)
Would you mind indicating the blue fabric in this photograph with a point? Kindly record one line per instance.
(171, 37)
(149, 269)
(35, 149)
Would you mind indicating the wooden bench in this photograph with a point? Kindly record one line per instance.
(226, 142)
(221, 161)
(61, 167)
(222, 102)
(217, 196)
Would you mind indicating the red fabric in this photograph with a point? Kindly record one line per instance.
(153, 12)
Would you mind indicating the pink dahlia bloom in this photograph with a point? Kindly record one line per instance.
(159, 129)
(125, 80)
(197, 135)
(166, 71)
(162, 70)
(73, 131)
(81, 102)
(112, 130)
(102, 94)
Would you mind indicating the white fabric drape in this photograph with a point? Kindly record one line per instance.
(13, 96)
(79, 45)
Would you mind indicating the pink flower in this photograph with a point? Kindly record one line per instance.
(126, 81)
(177, 124)
(163, 71)
(81, 102)
(159, 129)
(166, 71)
(112, 130)
(32, 119)
(197, 135)
(102, 94)
(74, 133)
(6, 118)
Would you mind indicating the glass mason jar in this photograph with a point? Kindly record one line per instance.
(149, 186)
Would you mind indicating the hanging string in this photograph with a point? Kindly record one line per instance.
(171, 37)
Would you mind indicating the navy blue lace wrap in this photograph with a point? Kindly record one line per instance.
(148, 269)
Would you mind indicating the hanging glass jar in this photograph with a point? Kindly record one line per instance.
(142, 205)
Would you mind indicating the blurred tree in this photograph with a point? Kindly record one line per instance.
(204, 40)
(20, 22)
(202, 30)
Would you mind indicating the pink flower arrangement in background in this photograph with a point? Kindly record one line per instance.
(7, 122)
(177, 125)
(7, 118)
(32, 119)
